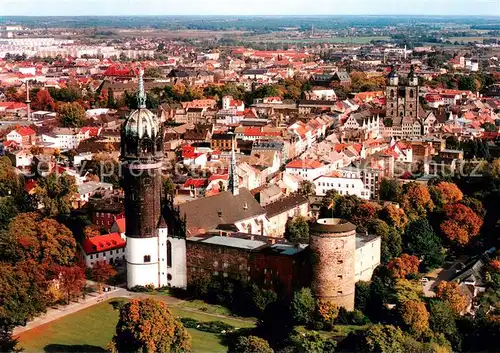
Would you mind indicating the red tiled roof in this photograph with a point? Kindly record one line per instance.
(25, 131)
(121, 224)
(93, 131)
(120, 71)
(218, 177)
(103, 243)
(304, 164)
(196, 183)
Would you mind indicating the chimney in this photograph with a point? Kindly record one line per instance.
(219, 213)
(245, 206)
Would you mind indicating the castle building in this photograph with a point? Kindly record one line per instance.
(152, 256)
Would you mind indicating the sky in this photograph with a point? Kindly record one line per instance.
(246, 7)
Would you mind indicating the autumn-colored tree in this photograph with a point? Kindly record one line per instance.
(403, 266)
(148, 326)
(71, 281)
(446, 193)
(71, 114)
(415, 316)
(102, 272)
(394, 216)
(450, 292)
(43, 240)
(460, 224)
(495, 264)
(36, 150)
(327, 311)
(43, 101)
(366, 212)
(91, 231)
(416, 200)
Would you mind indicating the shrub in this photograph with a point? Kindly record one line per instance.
(189, 322)
(214, 326)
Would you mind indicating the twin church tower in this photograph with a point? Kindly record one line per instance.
(153, 256)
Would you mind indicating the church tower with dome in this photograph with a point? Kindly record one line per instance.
(153, 258)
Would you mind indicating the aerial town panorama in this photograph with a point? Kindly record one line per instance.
(250, 183)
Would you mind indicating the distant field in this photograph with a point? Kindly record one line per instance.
(172, 34)
(333, 40)
(91, 329)
(467, 39)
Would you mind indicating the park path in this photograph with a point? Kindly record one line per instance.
(60, 311)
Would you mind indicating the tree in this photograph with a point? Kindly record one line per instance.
(297, 230)
(43, 101)
(303, 306)
(403, 266)
(251, 344)
(311, 342)
(56, 193)
(327, 311)
(23, 295)
(421, 241)
(306, 188)
(461, 224)
(447, 193)
(415, 317)
(8, 210)
(148, 326)
(102, 272)
(168, 187)
(467, 83)
(405, 289)
(361, 295)
(91, 231)
(71, 114)
(394, 216)
(43, 240)
(450, 293)
(390, 189)
(416, 200)
(378, 338)
(71, 281)
(9, 181)
(111, 99)
(442, 319)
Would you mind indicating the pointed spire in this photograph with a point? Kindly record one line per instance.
(233, 174)
(141, 95)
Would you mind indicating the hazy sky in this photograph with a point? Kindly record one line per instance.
(248, 7)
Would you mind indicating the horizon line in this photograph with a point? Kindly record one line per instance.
(261, 15)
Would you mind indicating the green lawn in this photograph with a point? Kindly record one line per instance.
(91, 329)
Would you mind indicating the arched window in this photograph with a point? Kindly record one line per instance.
(411, 93)
(147, 146)
(159, 144)
(392, 93)
(169, 253)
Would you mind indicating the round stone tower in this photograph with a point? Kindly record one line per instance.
(333, 248)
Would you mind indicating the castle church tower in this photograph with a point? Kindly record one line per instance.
(146, 231)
